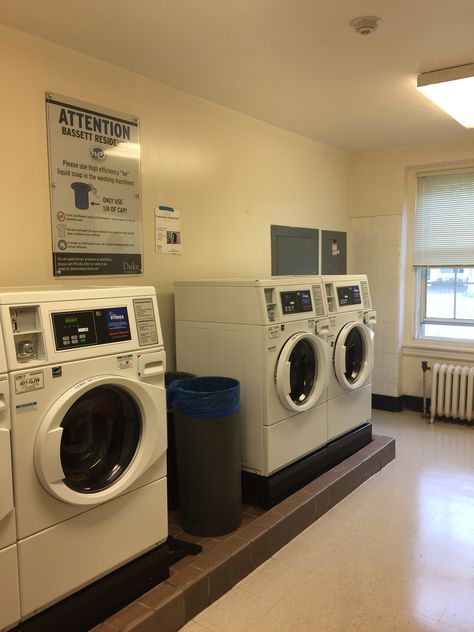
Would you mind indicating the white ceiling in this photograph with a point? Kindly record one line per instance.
(294, 63)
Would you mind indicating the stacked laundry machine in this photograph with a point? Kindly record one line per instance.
(277, 336)
(351, 319)
(86, 372)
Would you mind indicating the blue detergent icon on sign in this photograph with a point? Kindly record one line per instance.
(81, 195)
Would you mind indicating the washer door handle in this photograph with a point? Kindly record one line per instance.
(287, 370)
(50, 451)
(341, 353)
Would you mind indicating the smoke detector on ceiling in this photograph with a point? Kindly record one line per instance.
(366, 24)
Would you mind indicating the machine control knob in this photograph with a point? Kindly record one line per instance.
(25, 348)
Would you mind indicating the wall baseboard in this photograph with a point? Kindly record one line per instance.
(415, 403)
(397, 404)
(386, 402)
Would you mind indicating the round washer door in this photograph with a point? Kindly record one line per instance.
(99, 437)
(354, 355)
(302, 371)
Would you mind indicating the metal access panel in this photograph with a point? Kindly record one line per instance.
(294, 250)
(333, 252)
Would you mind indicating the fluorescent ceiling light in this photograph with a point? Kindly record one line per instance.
(452, 89)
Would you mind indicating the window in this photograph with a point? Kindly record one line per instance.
(444, 255)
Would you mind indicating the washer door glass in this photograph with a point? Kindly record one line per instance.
(355, 355)
(101, 434)
(303, 371)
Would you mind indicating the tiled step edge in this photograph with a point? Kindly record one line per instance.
(171, 604)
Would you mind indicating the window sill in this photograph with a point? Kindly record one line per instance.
(444, 350)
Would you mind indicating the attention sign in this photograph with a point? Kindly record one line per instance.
(94, 168)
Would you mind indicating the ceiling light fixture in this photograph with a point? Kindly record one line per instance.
(451, 89)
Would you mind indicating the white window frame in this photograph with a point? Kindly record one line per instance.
(416, 277)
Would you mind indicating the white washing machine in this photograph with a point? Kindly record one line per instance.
(88, 416)
(270, 335)
(352, 348)
(9, 590)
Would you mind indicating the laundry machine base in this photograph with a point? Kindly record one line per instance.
(267, 491)
(93, 604)
(348, 411)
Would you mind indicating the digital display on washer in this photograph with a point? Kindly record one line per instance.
(296, 302)
(349, 295)
(90, 327)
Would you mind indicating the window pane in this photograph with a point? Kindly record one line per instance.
(440, 291)
(453, 332)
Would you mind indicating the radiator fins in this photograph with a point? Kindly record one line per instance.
(452, 392)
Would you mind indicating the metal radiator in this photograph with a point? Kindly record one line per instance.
(452, 392)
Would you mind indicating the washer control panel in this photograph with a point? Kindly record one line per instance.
(296, 301)
(90, 327)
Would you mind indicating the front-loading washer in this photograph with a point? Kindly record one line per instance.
(270, 334)
(9, 589)
(351, 318)
(88, 414)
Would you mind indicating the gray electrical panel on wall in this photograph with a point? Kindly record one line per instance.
(294, 250)
(334, 252)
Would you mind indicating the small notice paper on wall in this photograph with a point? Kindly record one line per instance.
(167, 230)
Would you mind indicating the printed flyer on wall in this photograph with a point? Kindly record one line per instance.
(167, 230)
(94, 168)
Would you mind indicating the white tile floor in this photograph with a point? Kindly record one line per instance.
(397, 555)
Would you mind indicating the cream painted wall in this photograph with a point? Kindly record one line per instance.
(231, 176)
(378, 185)
(382, 185)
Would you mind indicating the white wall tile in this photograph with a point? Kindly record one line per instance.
(390, 360)
(375, 250)
(391, 390)
(394, 222)
(379, 223)
(394, 238)
(379, 360)
(390, 345)
(390, 375)
(390, 330)
(377, 388)
(388, 315)
(365, 224)
(377, 374)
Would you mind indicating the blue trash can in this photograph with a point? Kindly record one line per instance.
(208, 452)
